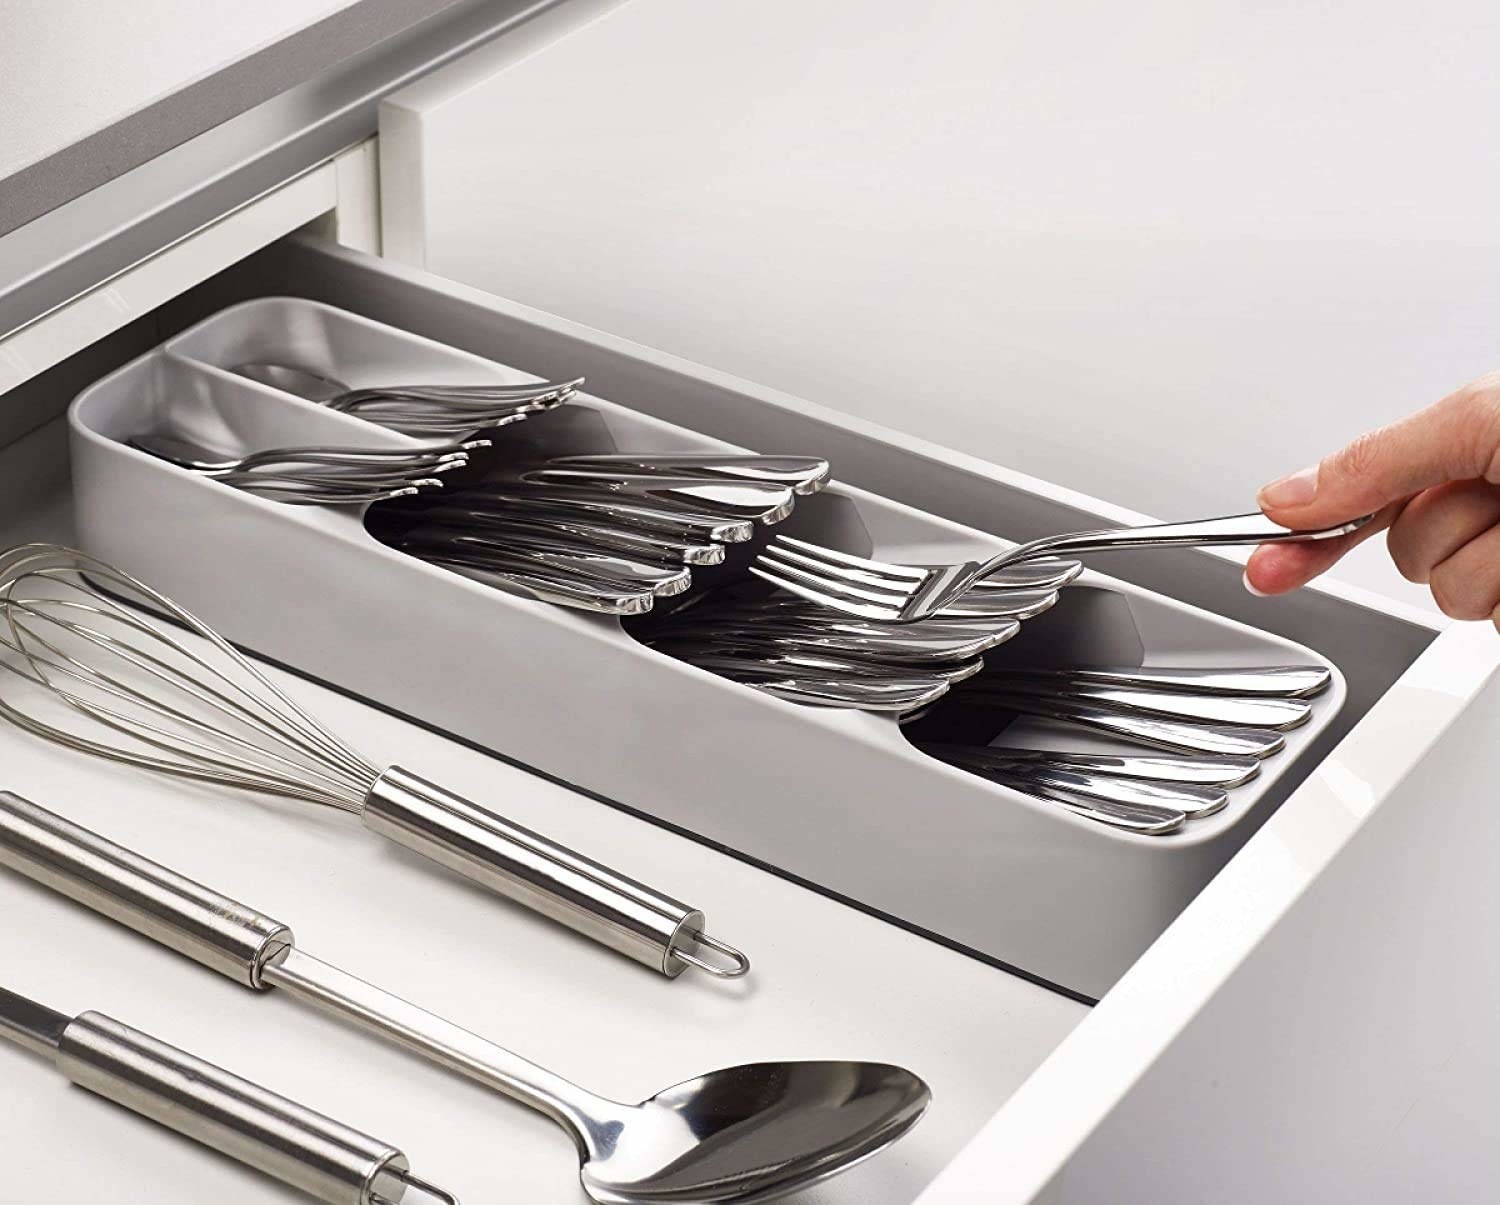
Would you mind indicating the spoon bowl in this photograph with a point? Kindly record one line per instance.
(749, 1133)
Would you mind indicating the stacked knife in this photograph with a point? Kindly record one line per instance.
(1180, 737)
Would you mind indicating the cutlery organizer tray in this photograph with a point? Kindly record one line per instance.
(837, 799)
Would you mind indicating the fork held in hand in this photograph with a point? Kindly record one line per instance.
(824, 577)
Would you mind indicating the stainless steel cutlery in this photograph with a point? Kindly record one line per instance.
(315, 475)
(1274, 681)
(802, 474)
(1177, 735)
(896, 594)
(1276, 714)
(1219, 722)
(617, 533)
(741, 1134)
(797, 651)
(597, 532)
(1226, 771)
(454, 410)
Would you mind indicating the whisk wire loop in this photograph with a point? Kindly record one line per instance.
(258, 738)
(167, 674)
(257, 715)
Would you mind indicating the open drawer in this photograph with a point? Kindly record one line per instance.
(1406, 686)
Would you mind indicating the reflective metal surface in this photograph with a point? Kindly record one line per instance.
(1202, 770)
(453, 410)
(827, 578)
(803, 474)
(279, 1137)
(1277, 714)
(134, 691)
(1175, 735)
(742, 1134)
(546, 877)
(169, 908)
(314, 476)
(1270, 681)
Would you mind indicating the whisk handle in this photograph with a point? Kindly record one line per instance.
(524, 866)
(222, 934)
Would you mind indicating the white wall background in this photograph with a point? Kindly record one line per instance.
(1156, 252)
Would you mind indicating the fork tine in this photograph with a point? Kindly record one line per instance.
(836, 557)
(844, 573)
(832, 580)
(863, 610)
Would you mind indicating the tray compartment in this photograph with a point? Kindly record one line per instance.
(837, 799)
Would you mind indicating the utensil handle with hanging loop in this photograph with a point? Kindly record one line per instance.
(524, 866)
(221, 933)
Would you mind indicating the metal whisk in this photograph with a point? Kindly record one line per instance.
(121, 685)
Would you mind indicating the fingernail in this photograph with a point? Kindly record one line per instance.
(1251, 588)
(1297, 490)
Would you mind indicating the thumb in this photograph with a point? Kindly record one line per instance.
(1456, 439)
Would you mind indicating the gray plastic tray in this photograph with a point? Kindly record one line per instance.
(838, 799)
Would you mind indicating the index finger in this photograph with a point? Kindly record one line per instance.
(1456, 439)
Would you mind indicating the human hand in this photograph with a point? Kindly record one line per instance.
(1433, 479)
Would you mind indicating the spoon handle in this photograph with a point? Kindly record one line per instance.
(254, 950)
(440, 1041)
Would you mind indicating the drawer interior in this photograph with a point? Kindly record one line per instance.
(1372, 649)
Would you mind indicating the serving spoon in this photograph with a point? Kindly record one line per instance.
(742, 1134)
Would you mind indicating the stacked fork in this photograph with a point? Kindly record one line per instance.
(803, 653)
(911, 593)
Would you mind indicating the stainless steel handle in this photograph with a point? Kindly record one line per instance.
(1150, 819)
(1270, 681)
(1203, 770)
(222, 934)
(322, 1157)
(1174, 735)
(1253, 528)
(30, 1025)
(548, 878)
(1232, 710)
(547, 585)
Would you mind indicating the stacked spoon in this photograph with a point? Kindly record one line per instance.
(604, 533)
